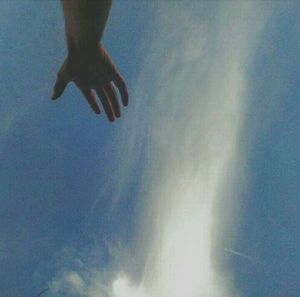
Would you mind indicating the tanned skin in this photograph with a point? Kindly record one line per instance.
(88, 64)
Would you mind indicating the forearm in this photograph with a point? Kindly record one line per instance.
(85, 22)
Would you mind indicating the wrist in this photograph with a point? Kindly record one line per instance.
(82, 48)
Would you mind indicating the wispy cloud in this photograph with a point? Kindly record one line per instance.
(193, 89)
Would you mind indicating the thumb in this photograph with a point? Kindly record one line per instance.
(59, 87)
(61, 81)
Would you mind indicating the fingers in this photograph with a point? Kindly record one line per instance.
(108, 98)
(91, 99)
(106, 103)
(116, 77)
(121, 85)
(110, 91)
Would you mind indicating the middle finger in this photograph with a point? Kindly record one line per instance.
(106, 103)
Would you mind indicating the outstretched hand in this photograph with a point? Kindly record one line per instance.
(93, 71)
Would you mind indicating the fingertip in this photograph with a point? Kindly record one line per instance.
(54, 96)
(111, 118)
(59, 88)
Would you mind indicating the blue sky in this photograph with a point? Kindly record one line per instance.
(193, 192)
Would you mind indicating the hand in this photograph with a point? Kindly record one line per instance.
(93, 70)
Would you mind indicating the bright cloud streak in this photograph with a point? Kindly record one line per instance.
(197, 105)
(199, 109)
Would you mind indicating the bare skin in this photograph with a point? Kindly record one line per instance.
(88, 64)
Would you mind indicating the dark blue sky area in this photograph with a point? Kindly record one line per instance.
(271, 224)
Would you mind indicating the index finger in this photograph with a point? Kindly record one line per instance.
(91, 99)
